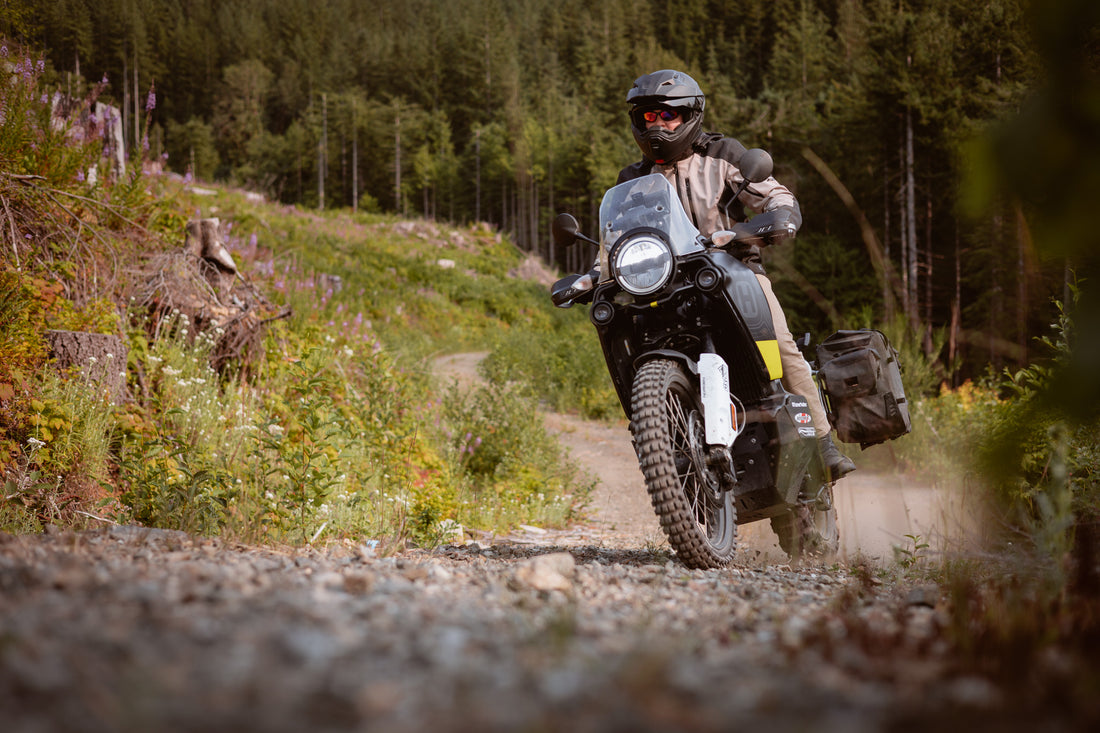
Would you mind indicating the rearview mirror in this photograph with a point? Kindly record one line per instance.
(756, 165)
(564, 229)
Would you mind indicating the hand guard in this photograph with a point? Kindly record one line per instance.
(771, 227)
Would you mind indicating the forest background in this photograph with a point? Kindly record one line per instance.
(878, 113)
(945, 154)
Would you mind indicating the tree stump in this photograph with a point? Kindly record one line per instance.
(203, 241)
(201, 282)
(99, 357)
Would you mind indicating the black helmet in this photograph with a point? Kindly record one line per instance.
(666, 88)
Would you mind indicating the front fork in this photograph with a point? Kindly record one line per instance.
(721, 418)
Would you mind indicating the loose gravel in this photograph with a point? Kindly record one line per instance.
(134, 629)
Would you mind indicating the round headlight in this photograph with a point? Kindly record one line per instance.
(642, 265)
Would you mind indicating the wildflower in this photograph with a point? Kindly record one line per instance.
(151, 100)
(80, 177)
(104, 81)
(35, 443)
(92, 360)
(4, 51)
(41, 65)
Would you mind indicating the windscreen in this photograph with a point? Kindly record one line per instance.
(649, 201)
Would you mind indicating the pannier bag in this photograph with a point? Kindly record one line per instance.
(861, 379)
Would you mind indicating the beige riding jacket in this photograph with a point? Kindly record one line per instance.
(707, 179)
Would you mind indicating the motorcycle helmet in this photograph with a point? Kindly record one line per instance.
(666, 88)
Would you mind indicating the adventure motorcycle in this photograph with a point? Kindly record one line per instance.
(689, 342)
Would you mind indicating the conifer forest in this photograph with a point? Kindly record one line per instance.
(925, 139)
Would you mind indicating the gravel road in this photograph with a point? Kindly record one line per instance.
(593, 628)
(129, 629)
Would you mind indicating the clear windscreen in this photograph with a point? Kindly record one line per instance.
(650, 202)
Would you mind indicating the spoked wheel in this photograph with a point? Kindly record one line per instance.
(809, 530)
(698, 518)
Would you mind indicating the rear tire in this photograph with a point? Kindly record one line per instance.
(698, 518)
(807, 531)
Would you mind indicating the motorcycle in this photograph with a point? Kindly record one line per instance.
(689, 343)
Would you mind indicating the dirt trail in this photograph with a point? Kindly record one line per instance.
(876, 510)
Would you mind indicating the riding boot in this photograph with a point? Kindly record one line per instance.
(836, 463)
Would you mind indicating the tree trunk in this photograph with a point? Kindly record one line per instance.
(322, 146)
(1022, 246)
(354, 162)
(100, 358)
(550, 194)
(956, 305)
(911, 222)
(903, 233)
(397, 164)
(125, 99)
(136, 147)
(929, 264)
(477, 175)
(996, 292)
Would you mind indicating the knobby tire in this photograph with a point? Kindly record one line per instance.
(700, 523)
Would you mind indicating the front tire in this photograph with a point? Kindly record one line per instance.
(696, 515)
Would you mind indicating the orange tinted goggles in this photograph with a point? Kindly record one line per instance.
(653, 115)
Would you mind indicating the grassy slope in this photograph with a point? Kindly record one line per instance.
(341, 426)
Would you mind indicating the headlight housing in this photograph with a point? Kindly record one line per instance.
(642, 264)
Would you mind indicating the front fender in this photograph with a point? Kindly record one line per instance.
(690, 364)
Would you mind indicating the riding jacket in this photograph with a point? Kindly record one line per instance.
(706, 181)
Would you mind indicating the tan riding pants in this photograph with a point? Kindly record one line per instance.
(796, 372)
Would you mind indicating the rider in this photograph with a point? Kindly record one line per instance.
(666, 118)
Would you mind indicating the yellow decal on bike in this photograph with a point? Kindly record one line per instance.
(770, 351)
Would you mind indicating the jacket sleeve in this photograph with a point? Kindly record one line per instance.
(767, 195)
